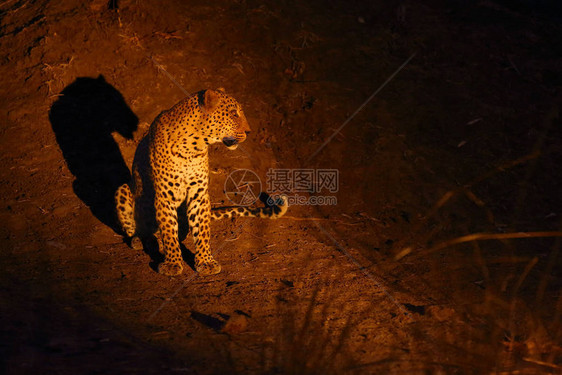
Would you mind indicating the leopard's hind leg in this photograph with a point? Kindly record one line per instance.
(125, 206)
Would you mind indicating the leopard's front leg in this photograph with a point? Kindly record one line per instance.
(167, 219)
(199, 219)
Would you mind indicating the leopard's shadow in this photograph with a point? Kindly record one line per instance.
(83, 119)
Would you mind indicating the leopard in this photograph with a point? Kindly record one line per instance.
(171, 168)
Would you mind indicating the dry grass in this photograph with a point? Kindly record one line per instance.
(516, 329)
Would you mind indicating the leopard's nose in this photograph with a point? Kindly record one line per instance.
(228, 141)
(247, 132)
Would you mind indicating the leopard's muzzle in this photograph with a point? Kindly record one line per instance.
(230, 142)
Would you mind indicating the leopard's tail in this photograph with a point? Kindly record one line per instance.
(274, 211)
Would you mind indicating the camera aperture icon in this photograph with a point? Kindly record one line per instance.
(242, 187)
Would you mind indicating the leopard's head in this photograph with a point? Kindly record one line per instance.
(225, 120)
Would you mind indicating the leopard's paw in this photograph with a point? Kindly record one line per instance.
(209, 268)
(136, 243)
(169, 268)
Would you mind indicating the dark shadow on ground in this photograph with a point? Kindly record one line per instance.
(83, 118)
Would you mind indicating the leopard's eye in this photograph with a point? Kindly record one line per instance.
(234, 113)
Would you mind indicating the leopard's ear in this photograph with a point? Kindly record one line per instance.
(221, 89)
(211, 100)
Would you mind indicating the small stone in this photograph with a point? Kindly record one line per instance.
(236, 324)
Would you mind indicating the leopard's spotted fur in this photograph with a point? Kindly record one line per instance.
(171, 166)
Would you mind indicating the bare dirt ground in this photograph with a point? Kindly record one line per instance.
(465, 139)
